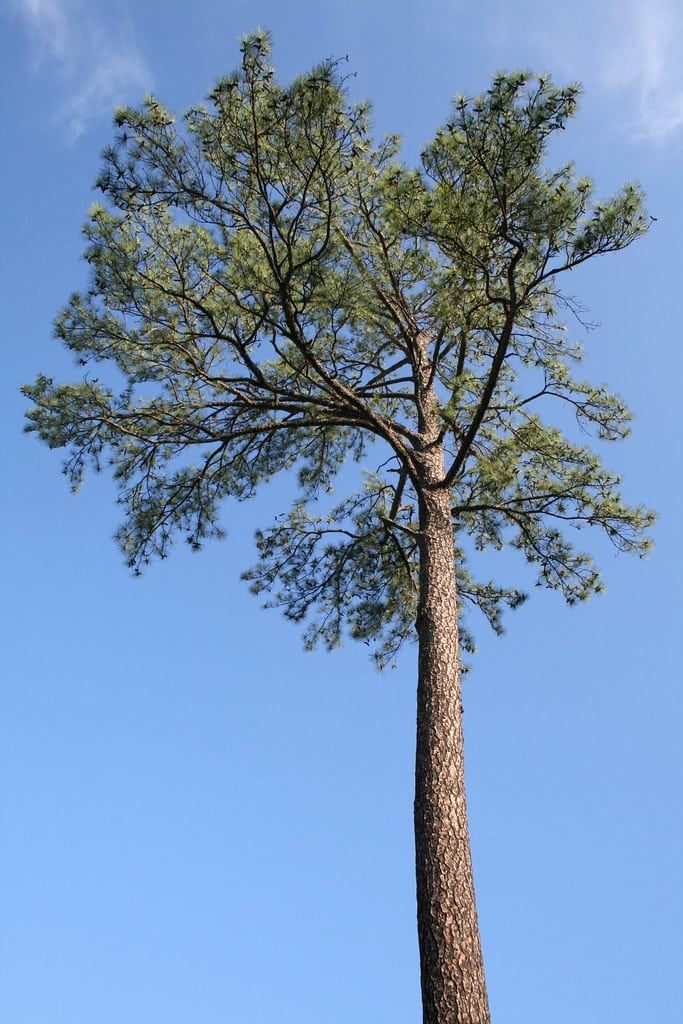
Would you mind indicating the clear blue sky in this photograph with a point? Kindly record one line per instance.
(200, 823)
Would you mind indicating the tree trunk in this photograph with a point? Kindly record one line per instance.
(452, 969)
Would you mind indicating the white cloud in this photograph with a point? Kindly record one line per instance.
(630, 49)
(645, 61)
(96, 60)
(46, 23)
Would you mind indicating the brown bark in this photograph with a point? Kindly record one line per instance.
(452, 970)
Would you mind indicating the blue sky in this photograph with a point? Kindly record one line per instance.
(202, 823)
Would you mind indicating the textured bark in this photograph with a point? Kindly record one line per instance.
(452, 970)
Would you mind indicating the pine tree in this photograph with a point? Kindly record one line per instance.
(272, 290)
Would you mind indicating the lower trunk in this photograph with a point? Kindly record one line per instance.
(452, 970)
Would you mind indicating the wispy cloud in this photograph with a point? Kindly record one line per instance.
(645, 61)
(93, 55)
(630, 49)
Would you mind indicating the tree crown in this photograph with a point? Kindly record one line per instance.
(271, 289)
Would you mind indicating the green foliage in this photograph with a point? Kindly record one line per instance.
(342, 569)
(273, 290)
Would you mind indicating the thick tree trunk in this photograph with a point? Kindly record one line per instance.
(452, 970)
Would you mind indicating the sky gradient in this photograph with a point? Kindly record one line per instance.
(199, 821)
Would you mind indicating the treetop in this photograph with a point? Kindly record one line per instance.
(273, 289)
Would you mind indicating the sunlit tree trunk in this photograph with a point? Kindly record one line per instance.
(452, 970)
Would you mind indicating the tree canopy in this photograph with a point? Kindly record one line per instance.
(272, 289)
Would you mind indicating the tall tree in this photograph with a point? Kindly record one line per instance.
(271, 290)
